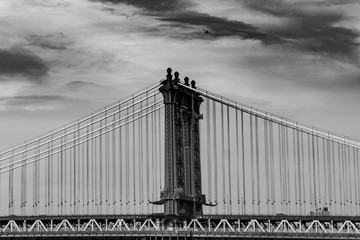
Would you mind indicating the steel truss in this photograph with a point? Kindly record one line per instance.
(208, 227)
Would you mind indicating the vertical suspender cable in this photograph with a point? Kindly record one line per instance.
(141, 157)
(302, 180)
(354, 199)
(127, 182)
(141, 149)
(51, 180)
(11, 178)
(58, 181)
(340, 174)
(348, 176)
(229, 157)
(80, 172)
(133, 152)
(1, 181)
(334, 196)
(34, 187)
(77, 166)
(324, 167)
(62, 176)
(23, 182)
(346, 198)
(257, 163)
(284, 161)
(155, 156)
(113, 147)
(287, 158)
(223, 154)
(243, 160)
(299, 172)
(46, 180)
(75, 169)
(252, 165)
(153, 159)
(295, 163)
(93, 166)
(271, 133)
(237, 158)
(325, 201)
(357, 174)
(71, 171)
(351, 178)
(96, 169)
(318, 172)
(215, 154)
(266, 145)
(36, 181)
(147, 159)
(310, 170)
(282, 201)
(120, 160)
(107, 162)
(286, 169)
(88, 170)
(160, 149)
(314, 168)
(208, 147)
(100, 167)
(329, 175)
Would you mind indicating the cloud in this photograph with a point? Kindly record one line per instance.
(334, 2)
(306, 26)
(87, 87)
(176, 15)
(153, 5)
(219, 27)
(57, 41)
(18, 61)
(34, 102)
(310, 28)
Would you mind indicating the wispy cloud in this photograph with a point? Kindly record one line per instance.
(219, 27)
(177, 15)
(34, 102)
(154, 5)
(57, 41)
(310, 28)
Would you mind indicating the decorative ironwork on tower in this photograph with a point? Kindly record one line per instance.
(182, 195)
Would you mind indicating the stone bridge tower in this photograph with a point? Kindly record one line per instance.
(182, 195)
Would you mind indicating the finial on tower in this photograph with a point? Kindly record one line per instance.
(193, 84)
(169, 76)
(176, 79)
(186, 80)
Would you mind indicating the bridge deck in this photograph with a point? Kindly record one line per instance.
(212, 217)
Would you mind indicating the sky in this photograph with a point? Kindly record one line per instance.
(63, 59)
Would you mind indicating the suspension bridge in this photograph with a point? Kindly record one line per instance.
(175, 161)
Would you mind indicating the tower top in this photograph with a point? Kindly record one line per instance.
(172, 83)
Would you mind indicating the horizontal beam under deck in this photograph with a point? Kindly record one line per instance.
(225, 226)
(174, 235)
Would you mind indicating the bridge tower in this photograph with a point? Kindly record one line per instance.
(182, 195)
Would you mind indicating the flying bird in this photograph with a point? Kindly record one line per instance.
(206, 31)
